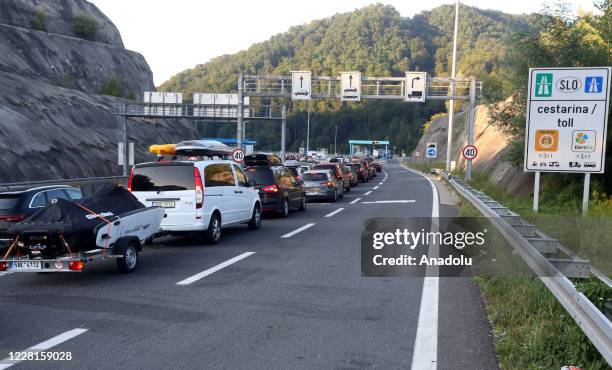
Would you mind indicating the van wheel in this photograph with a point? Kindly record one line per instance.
(284, 211)
(255, 222)
(302, 206)
(129, 257)
(212, 235)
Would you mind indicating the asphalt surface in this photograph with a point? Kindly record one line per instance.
(297, 302)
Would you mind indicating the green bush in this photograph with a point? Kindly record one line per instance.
(112, 86)
(39, 21)
(85, 26)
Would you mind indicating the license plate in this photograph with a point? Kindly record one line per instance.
(163, 204)
(26, 265)
(312, 193)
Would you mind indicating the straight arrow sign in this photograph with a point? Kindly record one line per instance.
(350, 86)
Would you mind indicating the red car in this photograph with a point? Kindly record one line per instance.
(340, 172)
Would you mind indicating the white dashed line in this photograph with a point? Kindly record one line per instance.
(4, 273)
(374, 188)
(334, 212)
(355, 201)
(390, 201)
(380, 183)
(368, 193)
(44, 346)
(214, 269)
(289, 235)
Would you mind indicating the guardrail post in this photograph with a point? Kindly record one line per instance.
(470, 125)
(283, 132)
(240, 113)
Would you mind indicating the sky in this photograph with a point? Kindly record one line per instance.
(179, 34)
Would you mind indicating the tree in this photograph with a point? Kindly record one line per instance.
(85, 26)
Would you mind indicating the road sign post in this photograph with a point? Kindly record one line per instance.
(470, 126)
(536, 191)
(283, 133)
(240, 113)
(567, 117)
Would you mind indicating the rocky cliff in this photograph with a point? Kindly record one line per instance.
(54, 120)
(492, 148)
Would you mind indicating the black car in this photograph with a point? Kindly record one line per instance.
(17, 205)
(279, 190)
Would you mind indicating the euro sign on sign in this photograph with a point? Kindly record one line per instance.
(567, 119)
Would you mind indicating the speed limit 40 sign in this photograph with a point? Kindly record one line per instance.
(469, 152)
(238, 155)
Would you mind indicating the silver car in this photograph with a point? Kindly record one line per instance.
(322, 184)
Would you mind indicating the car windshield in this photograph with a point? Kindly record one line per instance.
(314, 177)
(8, 201)
(163, 178)
(261, 176)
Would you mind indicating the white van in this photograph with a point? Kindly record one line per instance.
(198, 196)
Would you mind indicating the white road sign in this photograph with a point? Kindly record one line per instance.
(567, 117)
(238, 155)
(301, 85)
(416, 84)
(350, 86)
(469, 152)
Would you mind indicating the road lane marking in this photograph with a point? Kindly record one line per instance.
(380, 183)
(334, 212)
(44, 346)
(425, 355)
(214, 269)
(355, 200)
(289, 235)
(390, 201)
(368, 193)
(374, 188)
(4, 273)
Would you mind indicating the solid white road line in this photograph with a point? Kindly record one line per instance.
(44, 346)
(374, 188)
(334, 212)
(390, 201)
(355, 200)
(368, 193)
(289, 235)
(425, 355)
(214, 269)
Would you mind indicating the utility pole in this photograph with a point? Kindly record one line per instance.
(240, 115)
(336, 141)
(449, 142)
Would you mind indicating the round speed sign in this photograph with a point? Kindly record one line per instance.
(238, 155)
(469, 152)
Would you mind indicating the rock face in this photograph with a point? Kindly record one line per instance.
(492, 148)
(54, 123)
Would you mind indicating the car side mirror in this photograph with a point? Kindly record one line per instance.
(251, 182)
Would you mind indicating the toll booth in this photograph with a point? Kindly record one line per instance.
(369, 147)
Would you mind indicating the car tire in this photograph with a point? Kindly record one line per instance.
(212, 235)
(284, 211)
(255, 222)
(302, 206)
(128, 262)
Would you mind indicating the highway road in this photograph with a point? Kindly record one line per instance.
(290, 295)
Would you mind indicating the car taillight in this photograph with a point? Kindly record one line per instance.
(270, 189)
(360, 170)
(76, 266)
(13, 218)
(298, 178)
(199, 189)
(3, 266)
(328, 183)
(130, 179)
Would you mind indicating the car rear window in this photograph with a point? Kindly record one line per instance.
(325, 167)
(261, 176)
(314, 177)
(294, 171)
(8, 201)
(163, 178)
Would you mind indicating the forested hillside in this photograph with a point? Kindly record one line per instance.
(378, 41)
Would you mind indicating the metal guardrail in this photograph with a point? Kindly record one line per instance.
(531, 245)
(84, 180)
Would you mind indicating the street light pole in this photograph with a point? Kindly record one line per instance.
(308, 130)
(449, 141)
(336, 141)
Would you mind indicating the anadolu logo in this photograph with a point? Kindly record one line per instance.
(544, 82)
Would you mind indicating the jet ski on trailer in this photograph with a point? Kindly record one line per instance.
(109, 222)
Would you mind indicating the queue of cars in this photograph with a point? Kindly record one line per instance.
(201, 193)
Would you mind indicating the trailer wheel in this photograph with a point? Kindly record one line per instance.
(129, 257)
